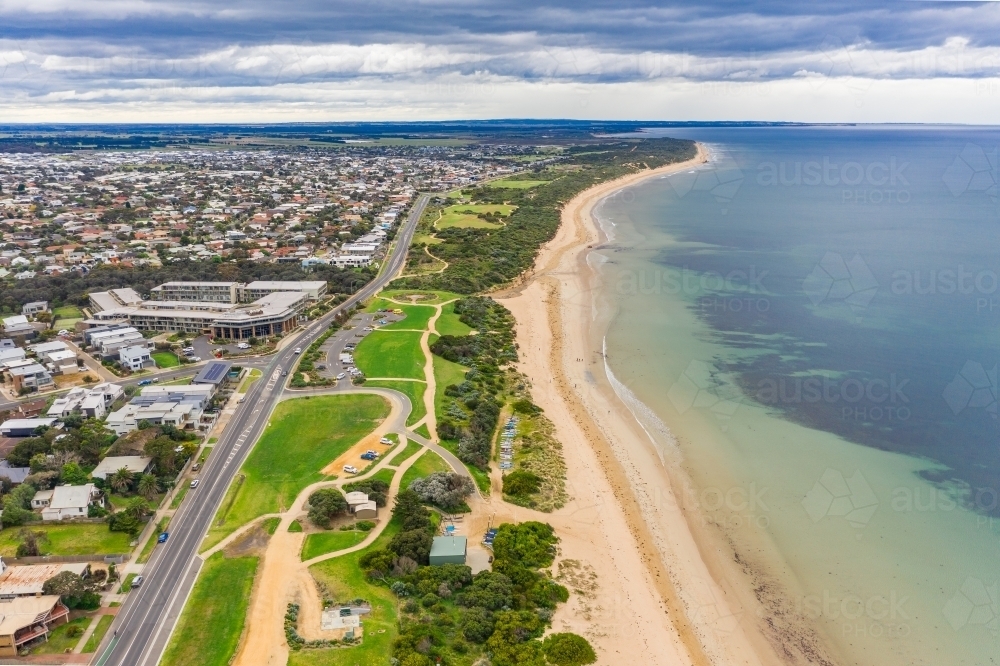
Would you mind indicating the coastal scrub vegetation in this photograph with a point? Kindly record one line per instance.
(479, 258)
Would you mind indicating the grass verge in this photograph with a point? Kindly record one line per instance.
(320, 543)
(209, 629)
(95, 638)
(425, 465)
(254, 375)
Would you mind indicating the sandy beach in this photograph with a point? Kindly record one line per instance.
(664, 601)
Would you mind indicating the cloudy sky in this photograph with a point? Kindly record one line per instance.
(311, 60)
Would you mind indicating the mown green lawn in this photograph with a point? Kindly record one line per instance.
(390, 354)
(467, 215)
(69, 539)
(416, 317)
(68, 312)
(445, 374)
(304, 435)
(345, 580)
(95, 638)
(427, 296)
(209, 629)
(426, 465)
(59, 639)
(449, 324)
(320, 543)
(517, 184)
(413, 390)
(165, 359)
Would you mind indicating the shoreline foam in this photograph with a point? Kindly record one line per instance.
(561, 347)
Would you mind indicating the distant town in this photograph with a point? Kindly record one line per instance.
(61, 213)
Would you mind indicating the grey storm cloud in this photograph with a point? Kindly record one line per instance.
(57, 50)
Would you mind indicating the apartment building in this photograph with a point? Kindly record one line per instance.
(203, 292)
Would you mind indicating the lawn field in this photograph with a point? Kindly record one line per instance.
(413, 390)
(253, 376)
(416, 318)
(304, 435)
(67, 316)
(517, 184)
(411, 448)
(209, 629)
(426, 464)
(449, 324)
(166, 359)
(95, 638)
(74, 539)
(467, 215)
(345, 580)
(59, 639)
(445, 374)
(392, 355)
(321, 543)
(426, 297)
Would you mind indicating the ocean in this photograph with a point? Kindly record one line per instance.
(815, 317)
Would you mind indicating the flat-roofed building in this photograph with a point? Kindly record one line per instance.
(205, 292)
(136, 357)
(31, 376)
(448, 550)
(28, 580)
(314, 289)
(111, 464)
(24, 427)
(113, 298)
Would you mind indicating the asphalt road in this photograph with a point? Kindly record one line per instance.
(143, 625)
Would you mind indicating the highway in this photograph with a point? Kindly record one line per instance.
(143, 625)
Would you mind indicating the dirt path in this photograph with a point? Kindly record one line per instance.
(283, 578)
(430, 419)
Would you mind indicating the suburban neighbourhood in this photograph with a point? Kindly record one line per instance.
(291, 427)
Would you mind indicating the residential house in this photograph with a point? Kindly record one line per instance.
(34, 308)
(26, 619)
(24, 427)
(111, 464)
(136, 357)
(67, 501)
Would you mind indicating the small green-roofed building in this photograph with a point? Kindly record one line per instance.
(448, 550)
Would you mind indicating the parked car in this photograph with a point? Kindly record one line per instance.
(145, 382)
(242, 345)
(369, 455)
(195, 467)
(341, 375)
(350, 469)
(63, 332)
(385, 440)
(194, 484)
(137, 581)
(163, 537)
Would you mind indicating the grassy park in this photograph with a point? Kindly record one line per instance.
(304, 435)
(209, 629)
(71, 539)
(413, 390)
(390, 354)
(467, 215)
(416, 317)
(425, 465)
(320, 543)
(449, 324)
(166, 359)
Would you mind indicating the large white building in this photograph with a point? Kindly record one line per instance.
(222, 309)
(178, 406)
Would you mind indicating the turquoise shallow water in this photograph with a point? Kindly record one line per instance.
(815, 315)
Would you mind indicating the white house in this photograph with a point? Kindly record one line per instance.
(136, 357)
(111, 464)
(67, 501)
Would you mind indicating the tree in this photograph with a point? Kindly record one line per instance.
(489, 590)
(568, 650)
(148, 486)
(38, 463)
(414, 544)
(31, 542)
(324, 504)
(64, 584)
(376, 489)
(137, 508)
(531, 544)
(120, 480)
(477, 624)
(521, 482)
(124, 522)
(73, 475)
(17, 505)
(444, 489)
(410, 511)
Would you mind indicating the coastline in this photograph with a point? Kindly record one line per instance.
(611, 455)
